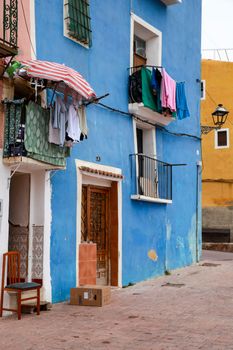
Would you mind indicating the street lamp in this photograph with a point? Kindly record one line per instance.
(219, 118)
(220, 115)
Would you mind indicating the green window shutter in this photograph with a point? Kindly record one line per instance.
(79, 21)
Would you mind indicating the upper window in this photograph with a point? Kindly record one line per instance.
(146, 43)
(78, 21)
(203, 90)
(222, 138)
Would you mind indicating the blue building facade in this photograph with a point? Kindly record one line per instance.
(154, 235)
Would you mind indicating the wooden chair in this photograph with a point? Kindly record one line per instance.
(12, 261)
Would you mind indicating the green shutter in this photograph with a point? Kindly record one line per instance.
(79, 21)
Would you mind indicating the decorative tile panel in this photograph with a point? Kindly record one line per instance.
(37, 252)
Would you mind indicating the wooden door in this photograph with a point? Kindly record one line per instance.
(95, 227)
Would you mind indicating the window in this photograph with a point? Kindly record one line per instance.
(146, 42)
(139, 51)
(222, 138)
(78, 21)
(203, 90)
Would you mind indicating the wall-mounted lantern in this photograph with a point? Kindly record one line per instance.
(220, 115)
(219, 118)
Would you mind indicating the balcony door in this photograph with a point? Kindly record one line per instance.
(146, 165)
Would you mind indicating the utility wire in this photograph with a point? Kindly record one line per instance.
(25, 20)
(147, 122)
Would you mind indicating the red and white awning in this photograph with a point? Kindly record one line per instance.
(59, 73)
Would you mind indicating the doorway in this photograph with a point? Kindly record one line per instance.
(99, 224)
(19, 213)
(26, 222)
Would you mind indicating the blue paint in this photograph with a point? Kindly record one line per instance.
(104, 65)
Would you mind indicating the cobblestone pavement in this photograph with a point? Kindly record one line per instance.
(190, 309)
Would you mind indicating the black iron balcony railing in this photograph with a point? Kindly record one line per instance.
(151, 177)
(9, 30)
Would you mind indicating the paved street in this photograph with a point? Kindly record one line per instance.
(190, 309)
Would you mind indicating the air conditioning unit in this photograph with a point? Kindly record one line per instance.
(171, 2)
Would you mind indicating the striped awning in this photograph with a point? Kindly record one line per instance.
(60, 73)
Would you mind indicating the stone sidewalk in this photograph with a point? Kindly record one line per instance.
(190, 309)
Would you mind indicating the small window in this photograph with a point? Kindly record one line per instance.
(222, 138)
(78, 21)
(203, 90)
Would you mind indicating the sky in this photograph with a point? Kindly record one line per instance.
(217, 29)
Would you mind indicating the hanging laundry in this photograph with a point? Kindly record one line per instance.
(83, 122)
(156, 79)
(181, 102)
(54, 134)
(147, 96)
(135, 87)
(73, 128)
(168, 91)
(59, 112)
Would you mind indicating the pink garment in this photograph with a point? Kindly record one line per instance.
(168, 91)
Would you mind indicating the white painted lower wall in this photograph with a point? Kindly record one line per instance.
(40, 214)
(4, 196)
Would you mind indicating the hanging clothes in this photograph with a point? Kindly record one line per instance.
(59, 118)
(181, 102)
(54, 134)
(83, 122)
(168, 91)
(147, 96)
(135, 87)
(36, 137)
(156, 79)
(73, 127)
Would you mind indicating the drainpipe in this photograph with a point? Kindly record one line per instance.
(199, 166)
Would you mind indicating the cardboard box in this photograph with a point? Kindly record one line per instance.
(90, 295)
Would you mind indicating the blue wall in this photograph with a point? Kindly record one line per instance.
(170, 230)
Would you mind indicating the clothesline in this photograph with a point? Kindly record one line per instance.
(145, 65)
(150, 66)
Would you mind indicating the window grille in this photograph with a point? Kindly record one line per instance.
(78, 21)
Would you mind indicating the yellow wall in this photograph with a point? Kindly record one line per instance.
(217, 163)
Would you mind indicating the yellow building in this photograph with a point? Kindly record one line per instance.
(217, 153)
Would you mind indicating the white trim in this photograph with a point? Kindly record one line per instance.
(80, 174)
(149, 114)
(204, 90)
(33, 27)
(47, 288)
(216, 138)
(65, 31)
(139, 197)
(149, 27)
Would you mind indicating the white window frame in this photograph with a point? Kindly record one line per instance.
(216, 138)
(151, 35)
(204, 90)
(152, 135)
(65, 30)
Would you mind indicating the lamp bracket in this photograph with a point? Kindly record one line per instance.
(205, 129)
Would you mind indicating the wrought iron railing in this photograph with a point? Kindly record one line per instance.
(151, 177)
(9, 30)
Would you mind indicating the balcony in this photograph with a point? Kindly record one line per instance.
(26, 138)
(171, 2)
(151, 179)
(9, 29)
(144, 100)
